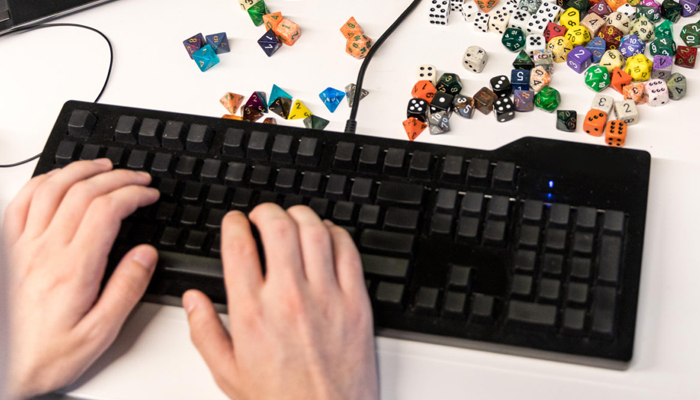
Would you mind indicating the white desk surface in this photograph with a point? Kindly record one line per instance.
(154, 359)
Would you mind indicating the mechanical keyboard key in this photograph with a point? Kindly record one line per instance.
(191, 265)
(125, 132)
(549, 291)
(498, 207)
(242, 199)
(390, 295)
(320, 206)
(446, 201)
(234, 142)
(390, 242)
(609, 267)
(583, 242)
(441, 225)
(494, 233)
(459, 278)
(426, 301)
(344, 156)
(173, 135)
(406, 194)
(369, 159)
(199, 138)
(268, 197)
(472, 204)
(308, 153)
(455, 305)
(483, 309)
(192, 192)
(529, 236)
(421, 163)
(574, 321)
(115, 155)
(552, 264)
(468, 230)
(453, 169)
(604, 309)
(559, 214)
(165, 212)
(369, 215)
(138, 160)
(525, 260)
(532, 211)
(190, 215)
(260, 176)
(586, 218)
(478, 172)
(336, 187)
(149, 134)
(504, 175)
(217, 195)
(235, 173)
(215, 217)
(168, 188)
(555, 239)
(161, 164)
(196, 241)
(283, 149)
(170, 237)
(581, 268)
(385, 267)
(522, 286)
(614, 222)
(292, 200)
(401, 219)
(90, 152)
(577, 294)
(286, 180)
(311, 184)
(540, 317)
(344, 213)
(185, 166)
(395, 161)
(362, 190)
(211, 171)
(66, 152)
(81, 124)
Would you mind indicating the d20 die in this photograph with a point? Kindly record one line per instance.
(505, 109)
(639, 67)
(615, 133)
(475, 59)
(231, 102)
(560, 48)
(427, 72)
(677, 86)
(413, 128)
(686, 56)
(619, 79)
(281, 106)
(269, 43)
(553, 30)
(332, 98)
(523, 61)
(417, 108)
(501, 86)
(631, 45)
(439, 12)
(424, 90)
(579, 59)
(481, 22)
(594, 124)
(288, 32)
(657, 92)
(690, 34)
(439, 123)
(535, 42)
(524, 100)
(520, 79)
(539, 78)
(597, 78)
(548, 99)
(597, 49)
(464, 106)
(441, 102)
(484, 99)
(513, 39)
(219, 42)
(205, 58)
(314, 122)
(193, 44)
(626, 111)
(663, 66)
(643, 28)
(603, 103)
(566, 120)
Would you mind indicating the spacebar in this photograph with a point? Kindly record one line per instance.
(191, 265)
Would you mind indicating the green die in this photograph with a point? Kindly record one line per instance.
(256, 12)
(513, 39)
(664, 29)
(450, 84)
(677, 86)
(314, 122)
(597, 78)
(664, 46)
(671, 10)
(566, 120)
(523, 61)
(548, 99)
(580, 5)
(649, 12)
(691, 35)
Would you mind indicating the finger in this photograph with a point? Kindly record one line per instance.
(280, 237)
(316, 246)
(79, 197)
(207, 332)
(348, 265)
(123, 291)
(48, 196)
(16, 212)
(98, 230)
(242, 270)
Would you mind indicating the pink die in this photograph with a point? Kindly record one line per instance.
(657, 92)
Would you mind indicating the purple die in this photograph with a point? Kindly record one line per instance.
(690, 7)
(631, 45)
(663, 66)
(579, 59)
(270, 43)
(602, 9)
(219, 42)
(649, 3)
(194, 43)
(524, 100)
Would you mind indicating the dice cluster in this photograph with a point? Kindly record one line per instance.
(204, 51)
(280, 103)
(279, 30)
(605, 40)
(358, 44)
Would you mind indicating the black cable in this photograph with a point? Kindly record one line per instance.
(104, 87)
(351, 125)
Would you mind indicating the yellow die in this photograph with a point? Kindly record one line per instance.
(570, 18)
(559, 47)
(619, 21)
(578, 35)
(612, 59)
(639, 67)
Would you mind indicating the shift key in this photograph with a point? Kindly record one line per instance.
(389, 242)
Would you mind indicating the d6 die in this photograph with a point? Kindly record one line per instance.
(635, 92)
(615, 133)
(288, 32)
(464, 106)
(594, 124)
(677, 86)
(439, 12)
(536, 24)
(626, 111)
(499, 22)
(579, 59)
(603, 103)
(520, 79)
(484, 100)
(597, 49)
(519, 20)
(417, 108)
(504, 108)
(535, 42)
(501, 86)
(475, 59)
(657, 92)
(524, 100)
(481, 22)
(427, 72)
(441, 102)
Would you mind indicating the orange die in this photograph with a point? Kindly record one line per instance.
(594, 124)
(233, 117)
(636, 92)
(272, 20)
(414, 127)
(615, 4)
(232, 102)
(619, 79)
(358, 46)
(486, 5)
(615, 133)
(288, 32)
(351, 28)
(424, 90)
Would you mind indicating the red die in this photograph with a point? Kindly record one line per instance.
(612, 37)
(553, 30)
(685, 56)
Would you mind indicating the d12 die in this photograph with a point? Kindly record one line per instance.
(603, 103)
(349, 29)
(427, 72)
(439, 12)
(626, 111)
(612, 59)
(619, 79)
(441, 102)
(578, 35)
(475, 59)
(593, 23)
(671, 11)
(690, 34)
(657, 92)
(560, 48)
(597, 49)
(662, 67)
(635, 92)
(288, 32)
(677, 86)
(579, 59)
(417, 108)
(484, 99)
(539, 78)
(548, 99)
(424, 90)
(535, 42)
(643, 29)
(524, 100)
(566, 120)
(504, 109)
(439, 123)
(553, 30)
(219, 42)
(449, 83)
(332, 98)
(501, 86)
(631, 45)
(513, 39)
(350, 94)
(464, 106)
(523, 61)
(193, 44)
(269, 43)
(639, 67)
(520, 79)
(205, 58)
(597, 78)
(359, 46)
(413, 128)
(594, 124)
(686, 56)
(615, 133)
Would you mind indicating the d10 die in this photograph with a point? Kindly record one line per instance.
(612, 37)
(439, 123)
(662, 67)
(449, 83)
(424, 90)
(418, 109)
(520, 79)
(593, 23)
(597, 78)
(193, 44)
(603, 103)
(359, 46)
(594, 124)
(566, 120)
(579, 59)
(464, 106)
(601, 9)
(501, 86)
(219, 42)
(475, 59)
(615, 133)
(535, 42)
(643, 29)
(626, 111)
(612, 59)
(513, 39)
(671, 11)
(481, 22)
(332, 98)
(539, 78)
(631, 45)
(619, 79)
(523, 61)
(570, 18)
(635, 92)
(560, 48)
(205, 58)
(413, 128)
(677, 86)
(288, 32)
(597, 49)
(505, 109)
(439, 12)
(690, 7)
(686, 56)
(441, 102)
(639, 67)
(257, 11)
(578, 35)
(484, 99)
(548, 99)
(619, 21)
(544, 59)
(269, 43)
(553, 30)
(427, 72)
(690, 34)
(486, 5)
(657, 92)
(524, 100)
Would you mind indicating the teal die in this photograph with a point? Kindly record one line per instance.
(332, 98)
(276, 93)
(597, 48)
(205, 58)
(219, 42)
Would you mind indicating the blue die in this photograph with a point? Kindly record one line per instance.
(205, 58)
(520, 79)
(332, 98)
(219, 42)
(524, 100)
(597, 49)
(194, 43)
(631, 45)
(270, 43)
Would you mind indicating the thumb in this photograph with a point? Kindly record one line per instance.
(208, 334)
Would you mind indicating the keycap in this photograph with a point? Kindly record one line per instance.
(190, 215)
(185, 166)
(532, 211)
(494, 233)
(483, 309)
(242, 199)
(234, 142)
(426, 301)
(552, 264)
(361, 191)
(522, 286)
(235, 173)
(391, 242)
(577, 293)
(170, 236)
(394, 161)
(173, 134)
(191, 265)
(192, 192)
(548, 291)
(504, 175)
(369, 215)
(459, 278)
(468, 229)
(421, 163)
(390, 294)
(446, 201)
(344, 156)
(217, 195)
(90, 152)
(580, 268)
(199, 138)
(529, 236)
(308, 153)
(574, 321)
(310, 184)
(441, 225)
(267, 196)
(344, 213)
(401, 219)
(586, 218)
(211, 171)
(168, 188)
(336, 187)
(319, 206)
(559, 214)
(258, 146)
(603, 311)
(525, 260)
(125, 132)
(215, 217)
(478, 172)
(260, 176)
(583, 242)
(455, 305)
(385, 267)
(453, 169)
(283, 149)
(407, 194)
(115, 155)
(610, 252)
(534, 316)
(66, 152)
(292, 200)
(161, 164)
(286, 180)
(81, 123)
(614, 221)
(498, 207)
(149, 134)
(472, 204)
(555, 239)
(369, 159)
(137, 160)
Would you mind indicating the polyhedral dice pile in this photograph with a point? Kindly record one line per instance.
(358, 44)
(604, 40)
(204, 51)
(278, 30)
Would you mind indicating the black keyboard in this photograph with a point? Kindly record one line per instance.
(534, 248)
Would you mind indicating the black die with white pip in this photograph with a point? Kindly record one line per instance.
(501, 86)
(504, 109)
(475, 59)
(481, 22)
(439, 12)
(417, 108)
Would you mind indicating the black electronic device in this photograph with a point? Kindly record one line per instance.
(17, 14)
(534, 248)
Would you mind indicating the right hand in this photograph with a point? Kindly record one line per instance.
(304, 330)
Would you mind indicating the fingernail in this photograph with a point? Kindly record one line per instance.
(105, 162)
(144, 175)
(188, 303)
(147, 257)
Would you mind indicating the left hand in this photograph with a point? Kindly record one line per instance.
(59, 231)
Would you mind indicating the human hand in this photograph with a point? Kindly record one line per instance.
(59, 231)
(304, 330)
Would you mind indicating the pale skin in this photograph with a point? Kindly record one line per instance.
(301, 331)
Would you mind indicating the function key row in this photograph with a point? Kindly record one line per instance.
(564, 216)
